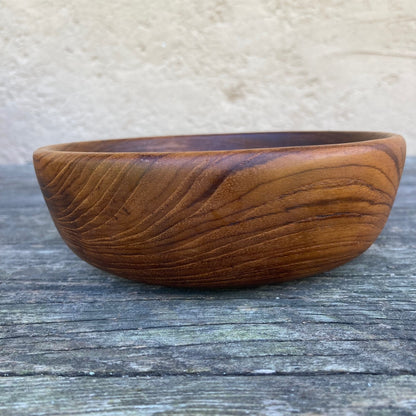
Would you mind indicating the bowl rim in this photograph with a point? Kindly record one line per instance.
(371, 138)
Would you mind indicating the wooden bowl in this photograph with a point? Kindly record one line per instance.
(222, 210)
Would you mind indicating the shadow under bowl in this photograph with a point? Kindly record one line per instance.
(222, 210)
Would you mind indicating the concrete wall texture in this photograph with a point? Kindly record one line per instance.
(81, 70)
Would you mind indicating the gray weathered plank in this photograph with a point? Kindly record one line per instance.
(76, 340)
(340, 395)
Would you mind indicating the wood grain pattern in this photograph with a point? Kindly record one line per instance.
(75, 340)
(222, 211)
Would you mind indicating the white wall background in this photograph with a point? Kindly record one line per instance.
(93, 69)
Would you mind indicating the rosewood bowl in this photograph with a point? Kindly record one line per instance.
(222, 210)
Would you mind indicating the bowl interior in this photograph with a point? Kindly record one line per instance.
(221, 142)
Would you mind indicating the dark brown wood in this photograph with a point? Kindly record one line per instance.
(224, 210)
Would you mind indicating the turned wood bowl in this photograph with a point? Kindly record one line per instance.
(222, 210)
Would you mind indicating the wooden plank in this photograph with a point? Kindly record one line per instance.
(341, 395)
(76, 340)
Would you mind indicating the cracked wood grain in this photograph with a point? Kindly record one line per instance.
(265, 395)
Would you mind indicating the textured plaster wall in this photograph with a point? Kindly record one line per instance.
(78, 69)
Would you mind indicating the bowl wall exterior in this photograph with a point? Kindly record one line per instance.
(222, 219)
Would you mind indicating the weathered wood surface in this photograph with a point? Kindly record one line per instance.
(75, 340)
